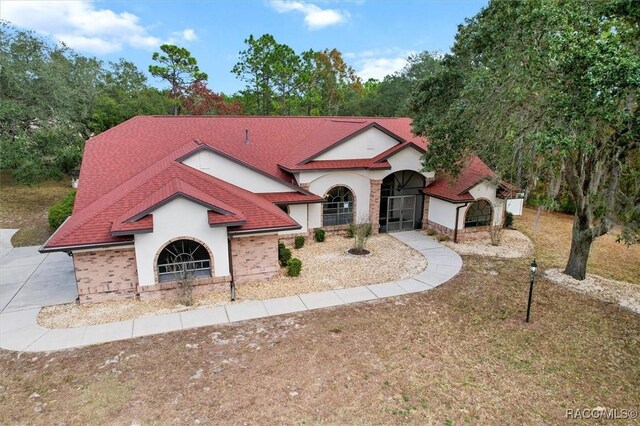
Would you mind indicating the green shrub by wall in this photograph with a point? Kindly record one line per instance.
(293, 267)
(61, 210)
(298, 242)
(319, 235)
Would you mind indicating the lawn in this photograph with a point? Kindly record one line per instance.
(552, 238)
(25, 208)
(459, 354)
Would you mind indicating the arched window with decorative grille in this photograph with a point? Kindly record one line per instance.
(183, 259)
(337, 208)
(478, 214)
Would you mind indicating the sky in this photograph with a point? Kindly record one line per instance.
(374, 36)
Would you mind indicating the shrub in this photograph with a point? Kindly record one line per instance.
(298, 242)
(496, 234)
(431, 232)
(350, 231)
(284, 254)
(361, 233)
(353, 228)
(293, 267)
(319, 235)
(61, 210)
(508, 220)
(443, 237)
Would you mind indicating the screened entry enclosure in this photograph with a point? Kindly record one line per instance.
(183, 259)
(401, 201)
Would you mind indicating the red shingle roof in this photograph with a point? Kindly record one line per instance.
(132, 167)
(457, 190)
(291, 198)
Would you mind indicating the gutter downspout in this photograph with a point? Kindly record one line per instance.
(455, 229)
(232, 284)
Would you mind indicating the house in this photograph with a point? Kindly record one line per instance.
(158, 194)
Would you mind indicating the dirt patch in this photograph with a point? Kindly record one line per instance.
(325, 266)
(514, 244)
(622, 293)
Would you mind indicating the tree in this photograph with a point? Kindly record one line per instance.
(549, 90)
(177, 67)
(201, 101)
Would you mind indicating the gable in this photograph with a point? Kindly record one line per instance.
(233, 172)
(407, 159)
(367, 144)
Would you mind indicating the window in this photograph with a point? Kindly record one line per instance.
(181, 259)
(337, 208)
(478, 214)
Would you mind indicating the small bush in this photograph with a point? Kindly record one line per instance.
(350, 230)
(361, 233)
(508, 220)
(61, 210)
(354, 228)
(443, 237)
(495, 232)
(431, 232)
(298, 242)
(319, 235)
(293, 267)
(284, 254)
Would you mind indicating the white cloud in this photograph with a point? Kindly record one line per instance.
(315, 18)
(189, 35)
(378, 63)
(82, 26)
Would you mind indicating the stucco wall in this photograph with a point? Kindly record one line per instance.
(234, 173)
(443, 213)
(298, 212)
(180, 218)
(514, 206)
(365, 145)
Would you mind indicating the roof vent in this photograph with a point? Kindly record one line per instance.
(246, 135)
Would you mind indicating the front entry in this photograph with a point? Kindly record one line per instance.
(401, 213)
(401, 201)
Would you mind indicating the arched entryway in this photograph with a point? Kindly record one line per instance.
(401, 201)
(478, 214)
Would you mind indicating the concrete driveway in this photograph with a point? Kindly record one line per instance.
(29, 279)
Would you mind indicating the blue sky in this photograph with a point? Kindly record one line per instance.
(375, 37)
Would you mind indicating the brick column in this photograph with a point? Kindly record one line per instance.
(425, 205)
(374, 205)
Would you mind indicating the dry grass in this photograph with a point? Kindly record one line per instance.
(460, 354)
(25, 208)
(608, 258)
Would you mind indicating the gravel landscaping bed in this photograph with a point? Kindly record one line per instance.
(325, 266)
(514, 244)
(622, 293)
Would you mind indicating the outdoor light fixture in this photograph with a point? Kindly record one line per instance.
(534, 266)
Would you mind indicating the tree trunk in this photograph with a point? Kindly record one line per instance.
(581, 240)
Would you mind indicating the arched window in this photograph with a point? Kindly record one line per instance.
(183, 259)
(478, 214)
(337, 208)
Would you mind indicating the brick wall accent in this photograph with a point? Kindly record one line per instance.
(168, 290)
(254, 258)
(374, 205)
(106, 275)
(425, 212)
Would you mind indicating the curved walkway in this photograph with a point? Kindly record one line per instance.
(19, 330)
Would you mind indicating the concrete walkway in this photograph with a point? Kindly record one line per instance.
(19, 330)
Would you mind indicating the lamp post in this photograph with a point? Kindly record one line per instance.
(534, 266)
